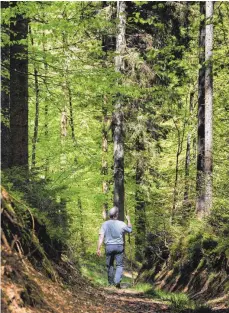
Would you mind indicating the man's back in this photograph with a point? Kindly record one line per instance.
(113, 231)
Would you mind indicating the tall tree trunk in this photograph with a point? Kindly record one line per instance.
(208, 106)
(36, 119)
(175, 185)
(187, 165)
(118, 131)
(106, 46)
(19, 91)
(200, 185)
(63, 133)
(46, 128)
(180, 135)
(5, 96)
(71, 120)
(67, 87)
(188, 154)
(104, 170)
(140, 214)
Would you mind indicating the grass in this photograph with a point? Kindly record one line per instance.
(178, 302)
(94, 269)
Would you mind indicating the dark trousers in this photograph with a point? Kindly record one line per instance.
(114, 253)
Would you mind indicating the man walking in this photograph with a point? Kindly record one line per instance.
(112, 233)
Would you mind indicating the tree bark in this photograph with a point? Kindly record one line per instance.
(200, 185)
(208, 107)
(118, 129)
(19, 91)
(5, 96)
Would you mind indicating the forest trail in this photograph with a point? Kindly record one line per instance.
(27, 290)
(99, 301)
(132, 301)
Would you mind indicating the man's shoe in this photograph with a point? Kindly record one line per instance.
(118, 286)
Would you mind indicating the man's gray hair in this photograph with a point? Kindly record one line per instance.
(113, 212)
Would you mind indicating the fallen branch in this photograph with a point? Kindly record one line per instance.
(4, 240)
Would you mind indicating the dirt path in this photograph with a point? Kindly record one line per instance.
(129, 301)
(90, 300)
(85, 299)
(26, 290)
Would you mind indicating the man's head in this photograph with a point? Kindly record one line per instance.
(113, 213)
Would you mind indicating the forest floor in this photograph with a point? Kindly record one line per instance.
(27, 290)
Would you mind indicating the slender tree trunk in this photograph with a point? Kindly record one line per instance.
(64, 115)
(140, 214)
(36, 119)
(187, 165)
(188, 155)
(200, 185)
(106, 40)
(46, 128)
(5, 96)
(67, 87)
(175, 184)
(179, 150)
(63, 132)
(19, 92)
(208, 107)
(71, 120)
(118, 131)
(104, 170)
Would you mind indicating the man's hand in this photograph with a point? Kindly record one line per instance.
(128, 220)
(100, 242)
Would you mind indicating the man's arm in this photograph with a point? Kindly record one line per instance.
(100, 242)
(129, 229)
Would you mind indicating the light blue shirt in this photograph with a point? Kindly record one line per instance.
(113, 231)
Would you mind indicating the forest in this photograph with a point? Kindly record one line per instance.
(115, 103)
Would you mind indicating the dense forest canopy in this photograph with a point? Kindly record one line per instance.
(99, 103)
